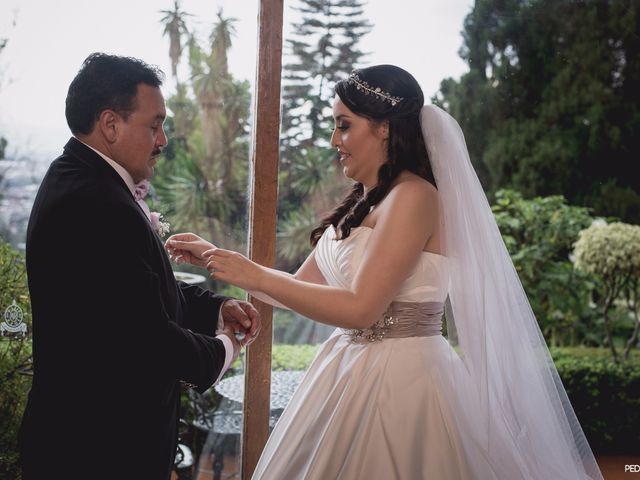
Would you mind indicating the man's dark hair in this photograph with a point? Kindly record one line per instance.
(106, 82)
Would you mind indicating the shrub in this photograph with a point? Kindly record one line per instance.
(605, 396)
(293, 357)
(15, 359)
(611, 253)
(539, 234)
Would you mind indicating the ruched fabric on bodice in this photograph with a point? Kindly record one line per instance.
(339, 262)
(416, 310)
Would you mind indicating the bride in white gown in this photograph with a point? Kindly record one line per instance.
(387, 397)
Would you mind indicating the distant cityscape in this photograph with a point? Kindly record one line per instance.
(19, 182)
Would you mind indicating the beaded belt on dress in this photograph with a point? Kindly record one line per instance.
(402, 320)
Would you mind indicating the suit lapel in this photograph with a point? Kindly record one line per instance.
(162, 263)
(86, 155)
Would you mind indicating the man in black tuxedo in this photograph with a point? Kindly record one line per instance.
(114, 334)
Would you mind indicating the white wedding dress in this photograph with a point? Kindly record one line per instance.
(406, 405)
(375, 409)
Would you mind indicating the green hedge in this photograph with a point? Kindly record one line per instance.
(604, 395)
(292, 357)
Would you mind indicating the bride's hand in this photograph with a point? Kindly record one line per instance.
(234, 268)
(188, 248)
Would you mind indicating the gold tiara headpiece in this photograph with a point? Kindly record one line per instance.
(367, 89)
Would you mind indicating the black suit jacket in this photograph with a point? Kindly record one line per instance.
(114, 334)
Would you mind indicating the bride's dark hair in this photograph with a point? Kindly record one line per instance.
(405, 146)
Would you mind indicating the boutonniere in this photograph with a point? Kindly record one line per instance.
(141, 191)
(161, 227)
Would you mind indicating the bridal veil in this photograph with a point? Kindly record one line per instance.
(509, 392)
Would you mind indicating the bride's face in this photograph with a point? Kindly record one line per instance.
(361, 144)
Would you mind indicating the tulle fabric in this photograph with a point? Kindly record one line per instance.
(513, 408)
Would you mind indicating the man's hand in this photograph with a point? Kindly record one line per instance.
(242, 317)
(188, 248)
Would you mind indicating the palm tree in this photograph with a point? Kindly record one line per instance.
(175, 27)
(221, 41)
(184, 112)
(203, 189)
(233, 124)
(211, 83)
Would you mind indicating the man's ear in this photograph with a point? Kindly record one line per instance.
(108, 123)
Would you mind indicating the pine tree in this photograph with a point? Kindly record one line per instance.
(323, 49)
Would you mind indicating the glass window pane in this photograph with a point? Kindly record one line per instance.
(200, 184)
(323, 42)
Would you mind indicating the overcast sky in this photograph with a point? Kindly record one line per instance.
(51, 38)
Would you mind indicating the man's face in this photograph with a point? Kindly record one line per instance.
(141, 136)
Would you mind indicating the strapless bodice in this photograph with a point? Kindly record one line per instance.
(339, 262)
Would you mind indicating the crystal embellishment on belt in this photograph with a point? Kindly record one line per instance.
(375, 332)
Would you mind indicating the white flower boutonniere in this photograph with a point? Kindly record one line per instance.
(155, 218)
(161, 227)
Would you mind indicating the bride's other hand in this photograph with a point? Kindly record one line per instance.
(188, 248)
(234, 268)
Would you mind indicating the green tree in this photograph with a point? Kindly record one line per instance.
(202, 183)
(612, 253)
(550, 103)
(175, 27)
(322, 50)
(213, 86)
(539, 234)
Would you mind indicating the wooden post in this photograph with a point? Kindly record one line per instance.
(262, 225)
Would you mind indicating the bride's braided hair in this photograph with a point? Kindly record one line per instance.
(405, 146)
